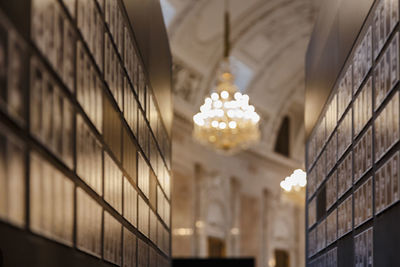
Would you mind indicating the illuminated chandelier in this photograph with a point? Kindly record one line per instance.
(295, 182)
(293, 187)
(226, 121)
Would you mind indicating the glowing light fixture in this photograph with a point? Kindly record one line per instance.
(182, 231)
(295, 182)
(226, 121)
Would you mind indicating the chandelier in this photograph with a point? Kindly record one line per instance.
(226, 121)
(293, 188)
(295, 182)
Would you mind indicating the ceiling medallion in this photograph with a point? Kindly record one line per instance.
(226, 121)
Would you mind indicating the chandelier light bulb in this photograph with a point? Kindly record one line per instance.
(198, 120)
(220, 113)
(222, 125)
(225, 95)
(232, 124)
(214, 96)
(208, 101)
(286, 186)
(303, 183)
(218, 104)
(237, 95)
(231, 113)
(255, 117)
(214, 124)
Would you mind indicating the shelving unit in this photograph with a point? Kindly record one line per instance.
(85, 154)
(353, 154)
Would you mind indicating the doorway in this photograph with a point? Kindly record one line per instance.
(281, 258)
(216, 248)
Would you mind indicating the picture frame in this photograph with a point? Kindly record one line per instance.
(349, 213)
(388, 15)
(92, 96)
(356, 74)
(59, 40)
(80, 67)
(369, 198)
(94, 21)
(357, 208)
(36, 174)
(377, 138)
(376, 35)
(364, 206)
(383, 133)
(368, 102)
(395, 118)
(383, 72)
(80, 151)
(47, 215)
(89, 27)
(362, 159)
(388, 183)
(348, 85)
(87, 85)
(394, 63)
(99, 105)
(68, 55)
(357, 251)
(369, 148)
(377, 84)
(382, 20)
(368, 55)
(16, 76)
(107, 58)
(36, 87)
(394, 13)
(48, 98)
(387, 71)
(377, 191)
(395, 178)
(370, 248)
(100, 42)
(49, 32)
(363, 59)
(382, 187)
(58, 121)
(3, 58)
(108, 12)
(58, 202)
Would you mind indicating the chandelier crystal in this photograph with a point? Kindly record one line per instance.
(226, 121)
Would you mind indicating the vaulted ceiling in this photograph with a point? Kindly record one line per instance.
(269, 40)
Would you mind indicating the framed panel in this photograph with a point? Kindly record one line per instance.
(88, 224)
(12, 179)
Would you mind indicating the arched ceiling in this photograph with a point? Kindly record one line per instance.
(270, 37)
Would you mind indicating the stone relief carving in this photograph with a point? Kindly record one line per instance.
(185, 81)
